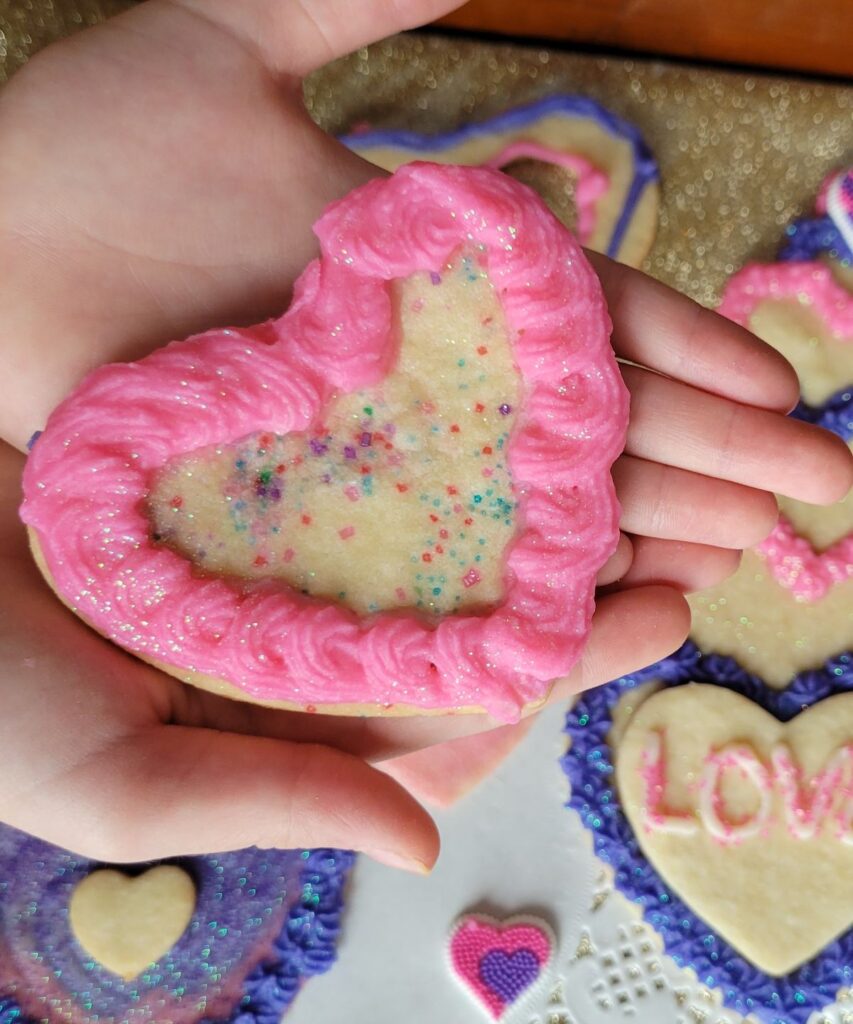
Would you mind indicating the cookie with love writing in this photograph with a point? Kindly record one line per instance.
(725, 810)
(393, 499)
(592, 168)
(227, 937)
(790, 605)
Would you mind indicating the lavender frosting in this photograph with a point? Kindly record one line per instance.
(687, 939)
(645, 168)
(836, 414)
(264, 921)
(809, 237)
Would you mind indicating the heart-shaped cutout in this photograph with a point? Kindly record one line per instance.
(612, 176)
(595, 725)
(127, 923)
(498, 961)
(749, 819)
(268, 642)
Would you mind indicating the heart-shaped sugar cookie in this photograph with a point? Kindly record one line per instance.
(528, 509)
(734, 805)
(750, 820)
(127, 923)
(264, 923)
(498, 961)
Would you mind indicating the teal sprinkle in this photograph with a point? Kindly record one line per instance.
(436, 590)
(461, 362)
(478, 498)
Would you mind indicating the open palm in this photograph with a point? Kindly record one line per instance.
(159, 176)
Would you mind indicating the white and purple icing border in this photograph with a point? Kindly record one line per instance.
(517, 119)
(589, 765)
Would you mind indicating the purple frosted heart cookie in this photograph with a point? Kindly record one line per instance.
(251, 927)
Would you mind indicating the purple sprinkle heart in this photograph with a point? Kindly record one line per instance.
(508, 975)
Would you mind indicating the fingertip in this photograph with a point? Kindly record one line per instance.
(631, 629)
(618, 564)
(758, 524)
(830, 467)
(684, 566)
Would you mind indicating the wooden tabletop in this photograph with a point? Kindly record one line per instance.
(804, 35)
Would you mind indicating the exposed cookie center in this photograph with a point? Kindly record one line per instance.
(401, 497)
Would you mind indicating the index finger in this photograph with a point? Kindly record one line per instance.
(657, 327)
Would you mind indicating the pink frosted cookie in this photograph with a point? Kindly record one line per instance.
(393, 499)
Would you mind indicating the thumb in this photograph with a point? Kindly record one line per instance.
(297, 36)
(174, 790)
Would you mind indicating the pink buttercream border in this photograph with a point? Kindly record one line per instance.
(810, 282)
(87, 477)
(795, 564)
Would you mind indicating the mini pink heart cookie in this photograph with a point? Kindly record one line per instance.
(499, 961)
(393, 499)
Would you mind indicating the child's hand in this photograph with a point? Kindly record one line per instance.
(158, 175)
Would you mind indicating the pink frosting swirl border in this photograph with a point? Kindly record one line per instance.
(811, 282)
(87, 477)
(795, 564)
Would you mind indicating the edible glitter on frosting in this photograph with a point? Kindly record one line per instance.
(499, 961)
(797, 566)
(86, 479)
(589, 765)
(263, 923)
(518, 119)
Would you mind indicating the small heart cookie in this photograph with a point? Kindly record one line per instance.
(393, 499)
(127, 923)
(592, 168)
(499, 961)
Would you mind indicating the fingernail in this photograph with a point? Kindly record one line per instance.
(402, 861)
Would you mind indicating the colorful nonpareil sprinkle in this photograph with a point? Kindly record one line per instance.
(400, 497)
